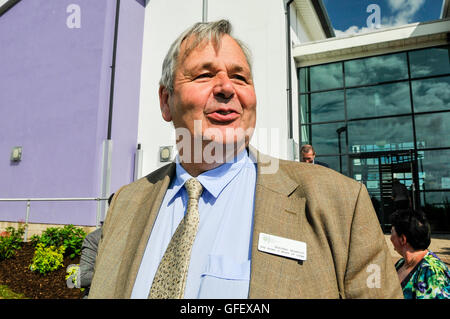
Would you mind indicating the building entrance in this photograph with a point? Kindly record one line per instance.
(378, 170)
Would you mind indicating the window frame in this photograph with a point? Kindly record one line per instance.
(5, 5)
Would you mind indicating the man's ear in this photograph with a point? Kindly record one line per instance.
(164, 104)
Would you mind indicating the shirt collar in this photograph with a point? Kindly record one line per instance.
(215, 180)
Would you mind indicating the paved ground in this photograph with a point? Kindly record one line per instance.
(440, 245)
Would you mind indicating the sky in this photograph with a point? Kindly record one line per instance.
(360, 16)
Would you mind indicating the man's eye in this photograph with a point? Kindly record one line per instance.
(204, 75)
(240, 77)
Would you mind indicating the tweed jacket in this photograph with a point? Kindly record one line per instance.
(347, 255)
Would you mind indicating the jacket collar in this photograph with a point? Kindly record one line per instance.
(269, 174)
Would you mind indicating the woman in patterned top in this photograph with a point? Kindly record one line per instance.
(422, 274)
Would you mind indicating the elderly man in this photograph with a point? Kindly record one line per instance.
(217, 223)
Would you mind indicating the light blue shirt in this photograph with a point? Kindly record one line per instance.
(220, 258)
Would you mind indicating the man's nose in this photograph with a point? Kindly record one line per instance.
(223, 87)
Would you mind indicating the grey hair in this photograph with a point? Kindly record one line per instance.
(201, 31)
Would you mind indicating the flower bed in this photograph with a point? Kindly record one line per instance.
(15, 272)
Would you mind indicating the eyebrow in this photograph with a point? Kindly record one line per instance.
(237, 68)
(207, 65)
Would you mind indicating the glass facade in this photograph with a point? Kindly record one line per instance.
(382, 118)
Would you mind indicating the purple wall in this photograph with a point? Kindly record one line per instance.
(126, 92)
(54, 102)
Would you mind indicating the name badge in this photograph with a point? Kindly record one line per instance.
(282, 246)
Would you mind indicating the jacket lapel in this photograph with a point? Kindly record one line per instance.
(276, 213)
(149, 202)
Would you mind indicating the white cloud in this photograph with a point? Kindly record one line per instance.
(351, 31)
(396, 4)
(404, 12)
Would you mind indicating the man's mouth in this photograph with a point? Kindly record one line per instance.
(223, 116)
(224, 112)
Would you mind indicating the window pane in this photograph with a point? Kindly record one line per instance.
(376, 69)
(324, 138)
(305, 134)
(327, 106)
(387, 99)
(381, 134)
(434, 169)
(303, 82)
(328, 76)
(305, 109)
(366, 170)
(432, 61)
(433, 130)
(431, 94)
(437, 208)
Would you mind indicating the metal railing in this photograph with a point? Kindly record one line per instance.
(73, 199)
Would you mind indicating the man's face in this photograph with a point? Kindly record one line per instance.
(213, 88)
(308, 157)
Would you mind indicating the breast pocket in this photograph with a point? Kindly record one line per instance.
(225, 278)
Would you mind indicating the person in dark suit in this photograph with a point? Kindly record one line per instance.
(308, 155)
(267, 228)
(88, 255)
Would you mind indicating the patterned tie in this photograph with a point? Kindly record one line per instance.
(170, 278)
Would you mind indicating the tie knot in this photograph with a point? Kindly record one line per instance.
(194, 188)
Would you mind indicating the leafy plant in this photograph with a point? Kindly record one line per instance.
(69, 236)
(4, 234)
(51, 237)
(47, 259)
(6, 293)
(73, 238)
(34, 240)
(10, 241)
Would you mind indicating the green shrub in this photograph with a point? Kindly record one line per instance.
(47, 259)
(6, 293)
(34, 240)
(69, 236)
(10, 241)
(51, 237)
(73, 238)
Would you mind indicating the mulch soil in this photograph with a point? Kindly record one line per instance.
(16, 274)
